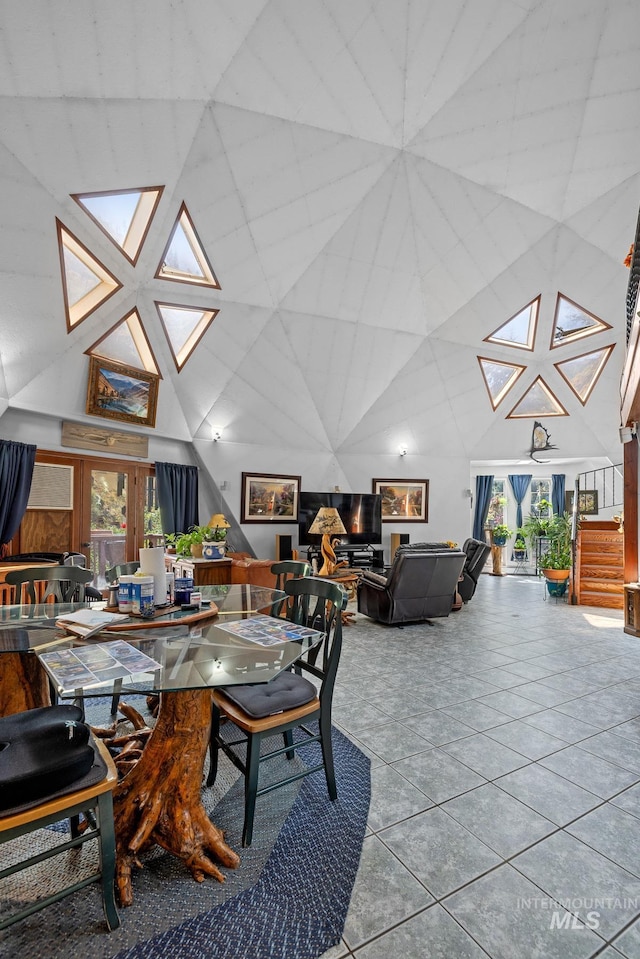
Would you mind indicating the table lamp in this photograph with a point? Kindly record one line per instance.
(328, 522)
(218, 523)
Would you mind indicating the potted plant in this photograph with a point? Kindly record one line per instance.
(170, 540)
(190, 543)
(500, 534)
(555, 564)
(519, 547)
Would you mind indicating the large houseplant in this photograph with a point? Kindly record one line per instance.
(555, 563)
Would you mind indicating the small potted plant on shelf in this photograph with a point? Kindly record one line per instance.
(519, 547)
(170, 540)
(214, 544)
(500, 534)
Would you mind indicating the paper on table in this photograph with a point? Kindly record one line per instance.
(91, 666)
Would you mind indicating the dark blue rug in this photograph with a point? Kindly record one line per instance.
(288, 899)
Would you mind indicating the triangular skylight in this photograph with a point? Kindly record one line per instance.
(499, 378)
(124, 216)
(582, 372)
(184, 259)
(520, 330)
(572, 322)
(86, 283)
(184, 327)
(127, 343)
(537, 401)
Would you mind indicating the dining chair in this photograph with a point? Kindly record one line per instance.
(287, 703)
(65, 584)
(122, 569)
(284, 571)
(95, 802)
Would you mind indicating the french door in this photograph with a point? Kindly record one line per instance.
(104, 508)
(119, 513)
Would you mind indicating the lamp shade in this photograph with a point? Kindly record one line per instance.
(328, 522)
(219, 521)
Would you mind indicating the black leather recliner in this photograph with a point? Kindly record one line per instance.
(476, 552)
(418, 586)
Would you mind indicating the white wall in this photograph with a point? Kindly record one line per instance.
(449, 506)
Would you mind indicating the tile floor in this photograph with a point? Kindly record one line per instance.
(505, 752)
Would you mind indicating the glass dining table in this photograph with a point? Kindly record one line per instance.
(234, 640)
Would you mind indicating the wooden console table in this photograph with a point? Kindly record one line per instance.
(204, 572)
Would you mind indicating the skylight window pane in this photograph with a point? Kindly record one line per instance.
(184, 327)
(126, 343)
(124, 216)
(184, 259)
(537, 401)
(499, 378)
(582, 372)
(80, 279)
(180, 257)
(520, 330)
(572, 322)
(86, 282)
(115, 212)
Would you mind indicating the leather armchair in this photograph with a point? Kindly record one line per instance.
(418, 586)
(247, 569)
(476, 552)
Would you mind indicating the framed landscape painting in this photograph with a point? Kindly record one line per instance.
(269, 498)
(121, 393)
(403, 501)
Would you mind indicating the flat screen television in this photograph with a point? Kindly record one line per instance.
(361, 514)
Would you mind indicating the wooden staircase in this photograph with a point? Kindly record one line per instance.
(600, 564)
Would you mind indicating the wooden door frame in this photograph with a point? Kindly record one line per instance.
(83, 464)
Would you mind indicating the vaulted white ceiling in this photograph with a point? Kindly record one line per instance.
(378, 185)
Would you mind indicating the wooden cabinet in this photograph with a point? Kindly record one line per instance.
(632, 609)
(205, 572)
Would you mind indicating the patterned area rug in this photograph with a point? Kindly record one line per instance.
(287, 900)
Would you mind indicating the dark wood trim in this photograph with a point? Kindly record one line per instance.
(630, 512)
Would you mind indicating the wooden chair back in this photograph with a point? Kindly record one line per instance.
(56, 584)
(122, 569)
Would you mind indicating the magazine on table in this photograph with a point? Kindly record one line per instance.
(88, 666)
(269, 631)
(87, 622)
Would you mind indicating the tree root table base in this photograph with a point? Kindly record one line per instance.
(158, 800)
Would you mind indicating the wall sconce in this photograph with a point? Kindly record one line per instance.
(403, 450)
(628, 433)
(216, 434)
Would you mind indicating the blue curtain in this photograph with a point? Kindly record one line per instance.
(16, 472)
(484, 485)
(177, 496)
(557, 493)
(519, 485)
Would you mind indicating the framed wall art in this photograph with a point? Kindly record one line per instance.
(587, 502)
(403, 501)
(269, 498)
(121, 393)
